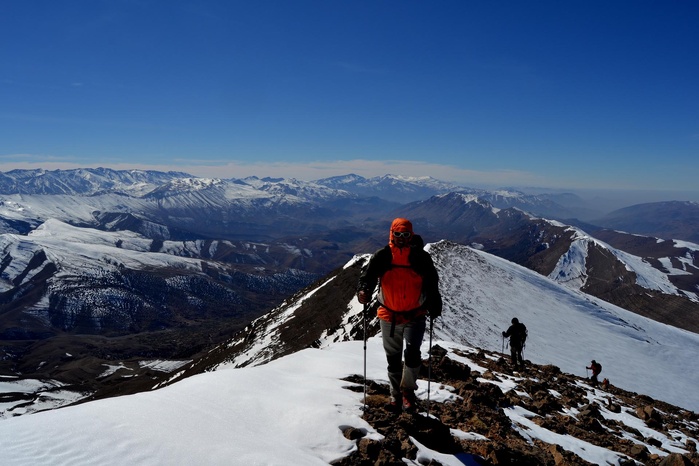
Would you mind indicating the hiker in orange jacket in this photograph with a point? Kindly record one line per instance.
(408, 292)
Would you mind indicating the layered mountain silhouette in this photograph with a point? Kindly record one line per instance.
(105, 269)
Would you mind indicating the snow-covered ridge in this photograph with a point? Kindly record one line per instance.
(74, 248)
(571, 269)
(193, 184)
(90, 182)
(83, 181)
(567, 328)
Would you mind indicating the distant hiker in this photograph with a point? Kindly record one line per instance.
(408, 293)
(596, 368)
(518, 337)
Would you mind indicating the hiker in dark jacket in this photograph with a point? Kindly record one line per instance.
(518, 335)
(408, 293)
(596, 368)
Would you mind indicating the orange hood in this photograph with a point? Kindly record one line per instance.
(399, 224)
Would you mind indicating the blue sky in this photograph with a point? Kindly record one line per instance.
(573, 94)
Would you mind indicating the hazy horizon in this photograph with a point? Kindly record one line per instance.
(602, 200)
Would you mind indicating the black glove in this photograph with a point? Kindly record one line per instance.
(434, 312)
(503, 333)
(363, 297)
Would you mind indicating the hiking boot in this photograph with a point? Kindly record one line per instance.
(393, 406)
(409, 401)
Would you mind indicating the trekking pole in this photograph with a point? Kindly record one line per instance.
(429, 369)
(365, 312)
(503, 345)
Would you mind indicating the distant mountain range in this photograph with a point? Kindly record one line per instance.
(121, 266)
(342, 197)
(675, 219)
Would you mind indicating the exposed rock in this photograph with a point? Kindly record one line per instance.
(352, 433)
(650, 416)
(639, 452)
(591, 410)
(675, 459)
(556, 403)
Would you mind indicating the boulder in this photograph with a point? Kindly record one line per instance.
(675, 459)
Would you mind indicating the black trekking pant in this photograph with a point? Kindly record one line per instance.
(516, 354)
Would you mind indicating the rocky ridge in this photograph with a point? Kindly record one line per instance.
(482, 423)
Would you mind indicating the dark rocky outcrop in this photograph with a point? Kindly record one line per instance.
(560, 403)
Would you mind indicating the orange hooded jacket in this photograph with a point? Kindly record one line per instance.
(407, 278)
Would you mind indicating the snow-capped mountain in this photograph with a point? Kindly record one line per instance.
(101, 296)
(287, 403)
(681, 261)
(404, 189)
(312, 191)
(539, 205)
(607, 269)
(660, 282)
(395, 188)
(149, 263)
(186, 207)
(71, 260)
(84, 181)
